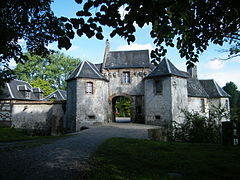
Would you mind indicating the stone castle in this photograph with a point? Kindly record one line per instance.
(158, 94)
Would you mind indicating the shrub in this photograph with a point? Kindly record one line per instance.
(197, 128)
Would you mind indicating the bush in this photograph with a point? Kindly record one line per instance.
(198, 129)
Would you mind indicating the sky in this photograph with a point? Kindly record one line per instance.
(209, 65)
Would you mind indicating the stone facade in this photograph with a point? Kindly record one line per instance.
(159, 95)
(44, 117)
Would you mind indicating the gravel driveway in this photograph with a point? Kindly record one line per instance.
(63, 158)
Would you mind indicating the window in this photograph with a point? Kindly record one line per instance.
(202, 105)
(158, 87)
(91, 117)
(126, 77)
(27, 95)
(226, 105)
(40, 96)
(89, 88)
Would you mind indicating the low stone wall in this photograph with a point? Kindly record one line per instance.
(39, 117)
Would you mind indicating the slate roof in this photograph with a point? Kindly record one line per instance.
(213, 89)
(166, 68)
(14, 90)
(86, 70)
(195, 88)
(99, 67)
(57, 95)
(128, 59)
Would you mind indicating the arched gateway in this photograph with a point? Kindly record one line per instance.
(121, 108)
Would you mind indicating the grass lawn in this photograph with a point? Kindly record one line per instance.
(21, 140)
(8, 134)
(121, 158)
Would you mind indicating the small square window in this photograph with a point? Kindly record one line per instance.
(27, 95)
(158, 87)
(89, 88)
(126, 77)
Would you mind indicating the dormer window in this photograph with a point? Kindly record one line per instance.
(25, 91)
(126, 77)
(38, 93)
(89, 88)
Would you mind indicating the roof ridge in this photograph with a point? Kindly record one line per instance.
(60, 93)
(10, 90)
(80, 68)
(93, 69)
(129, 50)
(217, 87)
(168, 66)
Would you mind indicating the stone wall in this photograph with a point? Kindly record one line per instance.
(43, 117)
(158, 107)
(91, 109)
(71, 106)
(5, 112)
(179, 97)
(135, 87)
(195, 105)
(134, 90)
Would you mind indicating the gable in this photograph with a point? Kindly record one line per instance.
(57, 95)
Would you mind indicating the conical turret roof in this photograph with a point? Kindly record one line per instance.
(166, 68)
(86, 70)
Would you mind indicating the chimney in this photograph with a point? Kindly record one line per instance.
(192, 70)
(107, 49)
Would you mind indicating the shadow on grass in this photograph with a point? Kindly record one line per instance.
(120, 158)
(12, 139)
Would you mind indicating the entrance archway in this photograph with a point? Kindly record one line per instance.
(121, 109)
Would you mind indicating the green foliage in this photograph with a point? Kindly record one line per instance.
(31, 22)
(44, 85)
(11, 134)
(121, 158)
(231, 89)
(123, 105)
(199, 128)
(54, 68)
(183, 24)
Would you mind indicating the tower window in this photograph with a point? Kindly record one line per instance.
(126, 77)
(158, 87)
(89, 88)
